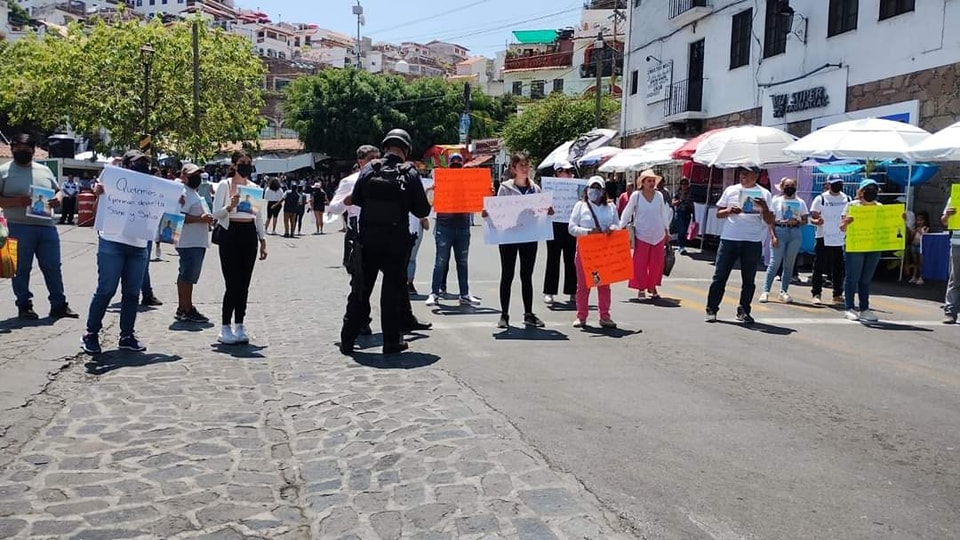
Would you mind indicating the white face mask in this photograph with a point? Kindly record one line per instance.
(595, 194)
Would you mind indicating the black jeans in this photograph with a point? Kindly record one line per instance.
(508, 265)
(682, 223)
(69, 209)
(384, 249)
(828, 259)
(563, 244)
(728, 254)
(238, 255)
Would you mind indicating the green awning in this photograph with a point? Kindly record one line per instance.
(535, 36)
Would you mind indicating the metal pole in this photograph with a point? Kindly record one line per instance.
(597, 55)
(359, 43)
(196, 77)
(146, 108)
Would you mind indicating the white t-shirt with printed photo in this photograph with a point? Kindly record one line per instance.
(831, 209)
(194, 235)
(747, 226)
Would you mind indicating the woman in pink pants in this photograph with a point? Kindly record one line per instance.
(651, 223)
(595, 214)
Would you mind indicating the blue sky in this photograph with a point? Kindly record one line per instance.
(483, 26)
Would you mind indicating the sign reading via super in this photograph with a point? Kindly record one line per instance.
(803, 100)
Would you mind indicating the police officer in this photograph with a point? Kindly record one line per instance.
(388, 190)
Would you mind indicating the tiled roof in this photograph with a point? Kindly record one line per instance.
(269, 145)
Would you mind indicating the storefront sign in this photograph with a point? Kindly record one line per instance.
(804, 100)
(659, 80)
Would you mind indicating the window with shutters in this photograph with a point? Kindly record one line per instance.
(518, 88)
(842, 16)
(892, 8)
(775, 30)
(634, 81)
(537, 89)
(558, 85)
(740, 38)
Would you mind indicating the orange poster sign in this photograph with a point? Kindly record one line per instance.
(461, 191)
(606, 257)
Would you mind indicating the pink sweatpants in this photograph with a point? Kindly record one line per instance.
(647, 266)
(583, 295)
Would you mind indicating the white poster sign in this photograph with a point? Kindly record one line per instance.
(517, 219)
(566, 192)
(133, 203)
(659, 80)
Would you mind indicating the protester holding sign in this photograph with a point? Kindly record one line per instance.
(951, 307)
(192, 244)
(562, 247)
(519, 185)
(593, 215)
(651, 219)
(237, 237)
(860, 265)
(825, 213)
(789, 214)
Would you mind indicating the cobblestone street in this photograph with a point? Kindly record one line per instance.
(284, 438)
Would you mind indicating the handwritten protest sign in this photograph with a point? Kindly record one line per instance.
(606, 257)
(133, 203)
(876, 228)
(953, 222)
(566, 192)
(514, 220)
(461, 191)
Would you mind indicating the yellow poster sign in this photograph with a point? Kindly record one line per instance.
(953, 223)
(876, 228)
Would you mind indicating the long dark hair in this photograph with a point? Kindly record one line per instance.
(274, 184)
(234, 158)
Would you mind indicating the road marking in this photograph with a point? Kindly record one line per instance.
(727, 300)
(450, 324)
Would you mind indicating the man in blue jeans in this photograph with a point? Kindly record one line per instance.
(36, 236)
(452, 232)
(746, 207)
(120, 261)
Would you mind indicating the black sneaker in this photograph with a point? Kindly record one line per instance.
(90, 344)
(411, 289)
(395, 348)
(504, 322)
(180, 316)
(27, 314)
(63, 312)
(416, 324)
(151, 301)
(532, 320)
(195, 316)
(131, 343)
(366, 330)
(711, 316)
(744, 317)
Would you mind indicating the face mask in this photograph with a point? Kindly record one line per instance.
(595, 194)
(245, 170)
(23, 157)
(456, 165)
(836, 188)
(870, 194)
(140, 166)
(790, 191)
(194, 181)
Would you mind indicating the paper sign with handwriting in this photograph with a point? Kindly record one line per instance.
(606, 257)
(566, 192)
(953, 222)
(876, 228)
(461, 191)
(517, 219)
(133, 203)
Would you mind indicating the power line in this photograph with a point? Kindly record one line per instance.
(432, 17)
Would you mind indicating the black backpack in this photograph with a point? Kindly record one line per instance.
(386, 201)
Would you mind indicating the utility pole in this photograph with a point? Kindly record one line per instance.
(617, 15)
(598, 61)
(358, 11)
(196, 79)
(465, 117)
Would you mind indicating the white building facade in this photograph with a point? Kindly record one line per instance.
(693, 65)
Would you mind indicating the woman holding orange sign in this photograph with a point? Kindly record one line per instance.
(592, 215)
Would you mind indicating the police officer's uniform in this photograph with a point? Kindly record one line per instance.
(388, 190)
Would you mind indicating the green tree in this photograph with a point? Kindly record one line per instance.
(93, 78)
(337, 110)
(546, 124)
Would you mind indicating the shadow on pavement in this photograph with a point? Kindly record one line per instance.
(662, 302)
(616, 333)
(530, 334)
(15, 323)
(562, 306)
(113, 360)
(406, 360)
(464, 310)
(181, 326)
(891, 326)
(763, 328)
(239, 351)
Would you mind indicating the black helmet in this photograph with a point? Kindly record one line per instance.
(398, 136)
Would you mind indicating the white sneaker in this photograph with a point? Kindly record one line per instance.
(227, 337)
(816, 301)
(240, 333)
(868, 316)
(572, 299)
(764, 297)
(469, 300)
(548, 299)
(919, 281)
(431, 300)
(578, 323)
(912, 281)
(851, 315)
(785, 298)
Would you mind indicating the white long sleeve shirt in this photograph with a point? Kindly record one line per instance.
(581, 219)
(651, 219)
(344, 190)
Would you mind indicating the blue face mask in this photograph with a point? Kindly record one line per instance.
(595, 194)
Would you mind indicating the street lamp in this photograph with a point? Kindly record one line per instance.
(146, 59)
(598, 58)
(358, 11)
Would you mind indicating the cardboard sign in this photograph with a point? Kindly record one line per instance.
(133, 203)
(566, 192)
(461, 191)
(953, 223)
(517, 219)
(876, 228)
(606, 257)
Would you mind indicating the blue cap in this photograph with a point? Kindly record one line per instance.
(834, 179)
(868, 182)
(455, 156)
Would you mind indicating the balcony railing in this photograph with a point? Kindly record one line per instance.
(679, 7)
(590, 70)
(539, 61)
(685, 96)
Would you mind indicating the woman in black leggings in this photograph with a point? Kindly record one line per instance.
(519, 185)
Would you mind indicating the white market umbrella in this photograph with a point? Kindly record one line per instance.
(559, 154)
(599, 155)
(622, 161)
(745, 146)
(943, 145)
(591, 140)
(868, 138)
(658, 152)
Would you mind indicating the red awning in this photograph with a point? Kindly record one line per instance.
(687, 150)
